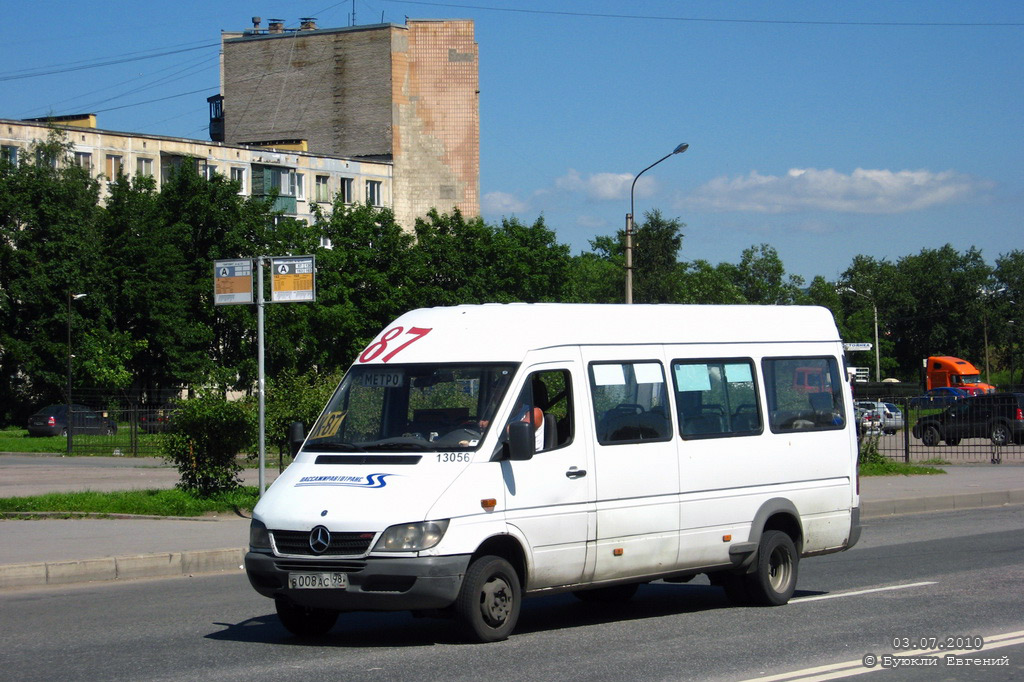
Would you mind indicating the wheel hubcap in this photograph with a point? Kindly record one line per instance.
(779, 572)
(496, 601)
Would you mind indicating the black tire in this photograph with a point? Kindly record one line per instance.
(488, 604)
(64, 433)
(303, 621)
(110, 431)
(774, 578)
(736, 589)
(952, 442)
(1000, 434)
(615, 594)
(930, 436)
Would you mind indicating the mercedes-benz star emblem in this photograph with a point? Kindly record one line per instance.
(319, 539)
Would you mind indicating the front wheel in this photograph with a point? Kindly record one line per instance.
(774, 579)
(304, 621)
(930, 436)
(488, 603)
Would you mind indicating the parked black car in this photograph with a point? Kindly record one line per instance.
(53, 421)
(999, 416)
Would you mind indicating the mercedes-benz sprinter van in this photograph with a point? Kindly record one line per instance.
(476, 455)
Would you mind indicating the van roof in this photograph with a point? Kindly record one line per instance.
(507, 331)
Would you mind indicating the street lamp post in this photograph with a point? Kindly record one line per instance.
(70, 421)
(629, 221)
(874, 308)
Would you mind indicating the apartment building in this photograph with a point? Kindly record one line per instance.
(403, 94)
(301, 178)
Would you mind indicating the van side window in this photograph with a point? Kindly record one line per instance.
(630, 402)
(804, 394)
(546, 402)
(716, 398)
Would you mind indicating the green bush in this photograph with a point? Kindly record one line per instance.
(206, 437)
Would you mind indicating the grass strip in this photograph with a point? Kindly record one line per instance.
(171, 502)
(891, 468)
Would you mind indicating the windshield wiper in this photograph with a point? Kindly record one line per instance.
(334, 447)
(398, 444)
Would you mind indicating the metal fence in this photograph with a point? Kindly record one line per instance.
(956, 444)
(118, 430)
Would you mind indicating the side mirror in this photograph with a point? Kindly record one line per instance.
(296, 435)
(520, 441)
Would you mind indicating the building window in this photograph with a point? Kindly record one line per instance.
(298, 185)
(113, 166)
(207, 170)
(238, 175)
(84, 160)
(9, 153)
(346, 191)
(45, 158)
(373, 192)
(323, 189)
(144, 167)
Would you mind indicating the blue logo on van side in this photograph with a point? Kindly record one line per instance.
(368, 481)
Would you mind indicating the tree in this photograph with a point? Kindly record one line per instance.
(656, 269)
(49, 246)
(761, 278)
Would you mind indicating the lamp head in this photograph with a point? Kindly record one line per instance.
(681, 148)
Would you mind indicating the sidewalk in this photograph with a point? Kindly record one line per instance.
(61, 551)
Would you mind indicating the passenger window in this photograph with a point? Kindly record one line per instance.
(630, 402)
(546, 402)
(804, 394)
(716, 398)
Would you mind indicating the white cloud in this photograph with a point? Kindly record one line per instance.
(604, 186)
(502, 203)
(863, 191)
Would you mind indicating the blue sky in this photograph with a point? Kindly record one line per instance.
(824, 129)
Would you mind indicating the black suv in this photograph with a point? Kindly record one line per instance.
(999, 416)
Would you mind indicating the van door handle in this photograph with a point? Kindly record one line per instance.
(573, 472)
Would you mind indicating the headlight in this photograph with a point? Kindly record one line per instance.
(259, 538)
(411, 537)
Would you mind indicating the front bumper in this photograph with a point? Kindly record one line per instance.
(374, 583)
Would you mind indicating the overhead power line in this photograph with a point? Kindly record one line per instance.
(599, 15)
(109, 62)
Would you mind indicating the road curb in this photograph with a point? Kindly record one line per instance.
(195, 562)
(130, 567)
(954, 502)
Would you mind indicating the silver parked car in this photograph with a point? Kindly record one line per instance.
(885, 417)
(892, 419)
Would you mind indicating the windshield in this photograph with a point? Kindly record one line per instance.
(411, 407)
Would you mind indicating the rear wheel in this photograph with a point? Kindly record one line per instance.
(952, 442)
(488, 604)
(930, 436)
(774, 579)
(304, 621)
(1000, 434)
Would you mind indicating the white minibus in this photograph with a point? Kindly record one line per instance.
(476, 455)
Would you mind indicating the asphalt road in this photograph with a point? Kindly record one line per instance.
(938, 575)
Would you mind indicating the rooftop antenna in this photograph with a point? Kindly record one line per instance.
(352, 17)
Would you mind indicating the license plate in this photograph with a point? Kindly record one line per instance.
(317, 581)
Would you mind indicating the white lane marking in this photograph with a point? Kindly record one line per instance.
(836, 595)
(857, 667)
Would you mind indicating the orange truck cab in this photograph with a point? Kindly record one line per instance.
(943, 370)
